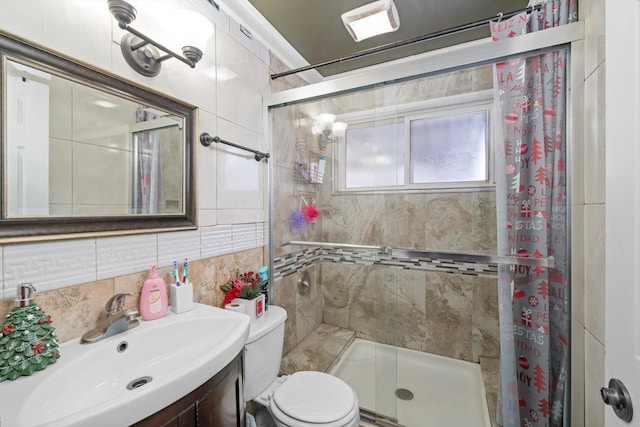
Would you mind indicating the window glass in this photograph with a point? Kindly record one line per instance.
(449, 148)
(375, 156)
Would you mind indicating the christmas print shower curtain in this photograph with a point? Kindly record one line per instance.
(148, 187)
(531, 197)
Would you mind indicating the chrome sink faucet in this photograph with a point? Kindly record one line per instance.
(117, 320)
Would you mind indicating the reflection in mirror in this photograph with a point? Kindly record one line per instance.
(75, 150)
(85, 153)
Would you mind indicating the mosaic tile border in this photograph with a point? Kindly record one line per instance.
(294, 262)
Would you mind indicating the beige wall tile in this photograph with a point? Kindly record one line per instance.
(593, 380)
(594, 311)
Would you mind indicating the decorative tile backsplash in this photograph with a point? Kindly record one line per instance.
(54, 265)
(49, 265)
(293, 262)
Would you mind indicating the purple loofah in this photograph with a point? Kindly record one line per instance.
(298, 222)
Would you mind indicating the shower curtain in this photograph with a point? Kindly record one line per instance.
(148, 182)
(531, 194)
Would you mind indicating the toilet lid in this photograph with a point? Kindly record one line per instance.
(315, 397)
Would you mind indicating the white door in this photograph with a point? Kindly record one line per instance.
(622, 329)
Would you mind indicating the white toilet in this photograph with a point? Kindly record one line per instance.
(302, 399)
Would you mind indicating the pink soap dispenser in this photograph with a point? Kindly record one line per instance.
(153, 301)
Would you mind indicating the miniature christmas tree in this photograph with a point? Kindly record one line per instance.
(28, 341)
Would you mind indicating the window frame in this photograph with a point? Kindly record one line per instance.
(403, 115)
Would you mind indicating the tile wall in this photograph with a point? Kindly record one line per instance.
(74, 278)
(588, 231)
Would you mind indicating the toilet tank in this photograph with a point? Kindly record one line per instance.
(263, 351)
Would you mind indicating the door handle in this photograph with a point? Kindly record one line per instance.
(619, 398)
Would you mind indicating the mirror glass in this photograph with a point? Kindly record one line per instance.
(76, 150)
(85, 152)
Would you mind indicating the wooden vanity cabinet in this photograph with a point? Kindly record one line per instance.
(219, 402)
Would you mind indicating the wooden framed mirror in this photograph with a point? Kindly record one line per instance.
(85, 153)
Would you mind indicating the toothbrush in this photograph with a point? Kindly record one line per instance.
(176, 273)
(185, 278)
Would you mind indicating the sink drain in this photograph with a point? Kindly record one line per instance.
(139, 382)
(404, 394)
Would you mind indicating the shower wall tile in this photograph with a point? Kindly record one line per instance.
(353, 219)
(482, 78)
(592, 13)
(449, 222)
(578, 264)
(594, 310)
(449, 323)
(336, 294)
(368, 314)
(593, 379)
(285, 291)
(284, 130)
(405, 298)
(484, 229)
(485, 323)
(309, 307)
(399, 218)
(594, 136)
(283, 83)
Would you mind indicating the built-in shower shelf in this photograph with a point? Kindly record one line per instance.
(318, 350)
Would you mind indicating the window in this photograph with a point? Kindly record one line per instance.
(374, 156)
(451, 148)
(425, 147)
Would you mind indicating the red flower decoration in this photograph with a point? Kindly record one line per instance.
(49, 319)
(7, 329)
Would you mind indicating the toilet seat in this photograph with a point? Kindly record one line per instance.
(314, 399)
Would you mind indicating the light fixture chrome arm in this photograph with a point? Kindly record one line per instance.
(169, 53)
(141, 51)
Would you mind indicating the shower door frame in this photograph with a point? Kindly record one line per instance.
(450, 59)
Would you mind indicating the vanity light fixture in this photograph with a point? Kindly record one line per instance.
(372, 19)
(143, 54)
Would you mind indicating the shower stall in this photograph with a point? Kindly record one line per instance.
(376, 235)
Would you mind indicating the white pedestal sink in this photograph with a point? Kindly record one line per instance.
(127, 377)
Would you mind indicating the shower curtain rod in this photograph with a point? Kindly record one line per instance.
(206, 140)
(389, 46)
(441, 256)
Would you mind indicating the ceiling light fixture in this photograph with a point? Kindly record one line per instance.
(141, 51)
(372, 19)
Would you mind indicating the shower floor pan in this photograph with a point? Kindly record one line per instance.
(413, 388)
